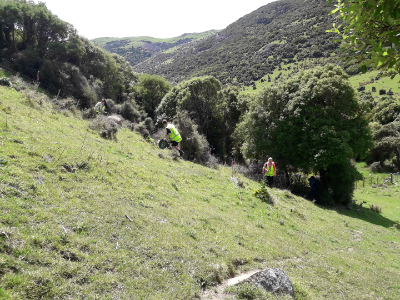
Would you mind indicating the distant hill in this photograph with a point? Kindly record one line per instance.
(284, 31)
(138, 49)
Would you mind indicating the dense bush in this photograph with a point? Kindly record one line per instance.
(129, 111)
(193, 144)
(375, 167)
(386, 110)
(149, 91)
(148, 122)
(106, 128)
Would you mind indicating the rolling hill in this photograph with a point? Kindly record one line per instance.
(138, 49)
(285, 31)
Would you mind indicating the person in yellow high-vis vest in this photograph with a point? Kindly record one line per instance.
(173, 135)
(269, 171)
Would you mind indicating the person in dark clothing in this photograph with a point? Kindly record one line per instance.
(315, 186)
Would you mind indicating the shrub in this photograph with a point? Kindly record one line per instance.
(107, 129)
(66, 104)
(148, 122)
(376, 208)
(89, 113)
(341, 180)
(142, 129)
(129, 111)
(19, 84)
(375, 167)
(262, 193)
(193, 144)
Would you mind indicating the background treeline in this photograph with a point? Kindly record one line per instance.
(32, 39)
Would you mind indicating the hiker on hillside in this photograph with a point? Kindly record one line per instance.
(173, 135)
(100, 107)
(315, 185)
(269, 171)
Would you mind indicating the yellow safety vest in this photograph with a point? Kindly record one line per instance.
(269, 171)
(174, 136)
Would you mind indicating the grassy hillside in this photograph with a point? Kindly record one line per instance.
(369, 79)
(82, 217)
(138, 49)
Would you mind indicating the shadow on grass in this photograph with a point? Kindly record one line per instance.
(367, 215)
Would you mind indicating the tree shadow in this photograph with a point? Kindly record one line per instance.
(367, 215)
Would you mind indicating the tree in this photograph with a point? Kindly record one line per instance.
(387, 142)
(370, 34)
(386, 110)
(149, 91)
(311, 122)
(214, 110)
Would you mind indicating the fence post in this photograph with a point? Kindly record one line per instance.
(377, 179)
(391, 178)
(363, 181)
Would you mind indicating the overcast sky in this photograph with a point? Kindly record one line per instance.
(154, 18)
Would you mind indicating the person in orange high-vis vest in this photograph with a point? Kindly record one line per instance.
(269, 171)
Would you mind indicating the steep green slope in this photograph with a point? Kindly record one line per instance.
(82, 217)
(368, 80)
(138, 49)
(255, 45)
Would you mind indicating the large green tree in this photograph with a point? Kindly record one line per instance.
(370, 31)
(149, 91)
(214, 110)
(311, 122)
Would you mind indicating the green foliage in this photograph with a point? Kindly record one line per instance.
(341, 179)
(129, 111)
(32, 40)
(193, 144)
(149, 90)
(370, 32)
(386, 141)
(202, 99)
(386, 110)
(312, 122)
(262, 193)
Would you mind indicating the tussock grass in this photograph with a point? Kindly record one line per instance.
(82, 217)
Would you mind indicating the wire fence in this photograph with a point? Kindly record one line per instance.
(378, 180)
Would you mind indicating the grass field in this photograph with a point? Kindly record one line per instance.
(83, 217)
(368, 80)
